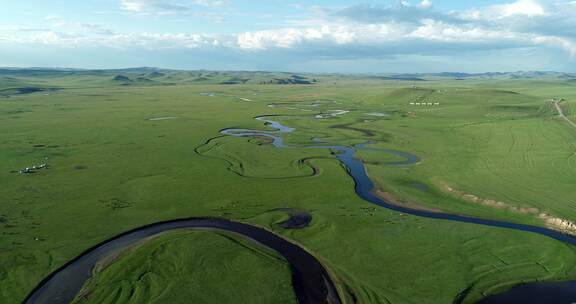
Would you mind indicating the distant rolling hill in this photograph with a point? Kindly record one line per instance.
(18, 81)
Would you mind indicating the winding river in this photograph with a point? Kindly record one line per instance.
(311, 281)
(536, 293)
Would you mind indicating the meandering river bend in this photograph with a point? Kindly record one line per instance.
(311, 282)
(531, 293)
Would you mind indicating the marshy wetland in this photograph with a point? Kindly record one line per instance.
(386, 203)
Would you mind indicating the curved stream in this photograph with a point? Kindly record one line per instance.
(536, 293)
(310, 280)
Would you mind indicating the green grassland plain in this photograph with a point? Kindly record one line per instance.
(112, 169)
(166, 270)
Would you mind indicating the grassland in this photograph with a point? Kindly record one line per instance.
(166, 270)
(112, 169)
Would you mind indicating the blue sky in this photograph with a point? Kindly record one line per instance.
(292, 35)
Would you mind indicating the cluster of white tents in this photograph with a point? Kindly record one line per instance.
(425, 103)
(33, 168)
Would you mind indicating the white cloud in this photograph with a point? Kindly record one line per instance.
(529, 8)
(287, 38)
(403, 12)
(134, 5)
(439, 31)
(425, 4)
(429, 36)
(55, 21)
(356, 31)
(564, 43)
(512, 11)
(212, 3)
(162, 6)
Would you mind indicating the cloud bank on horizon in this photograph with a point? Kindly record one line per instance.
(318, 35)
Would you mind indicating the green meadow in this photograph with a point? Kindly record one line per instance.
(123, 152)
(166, 270)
